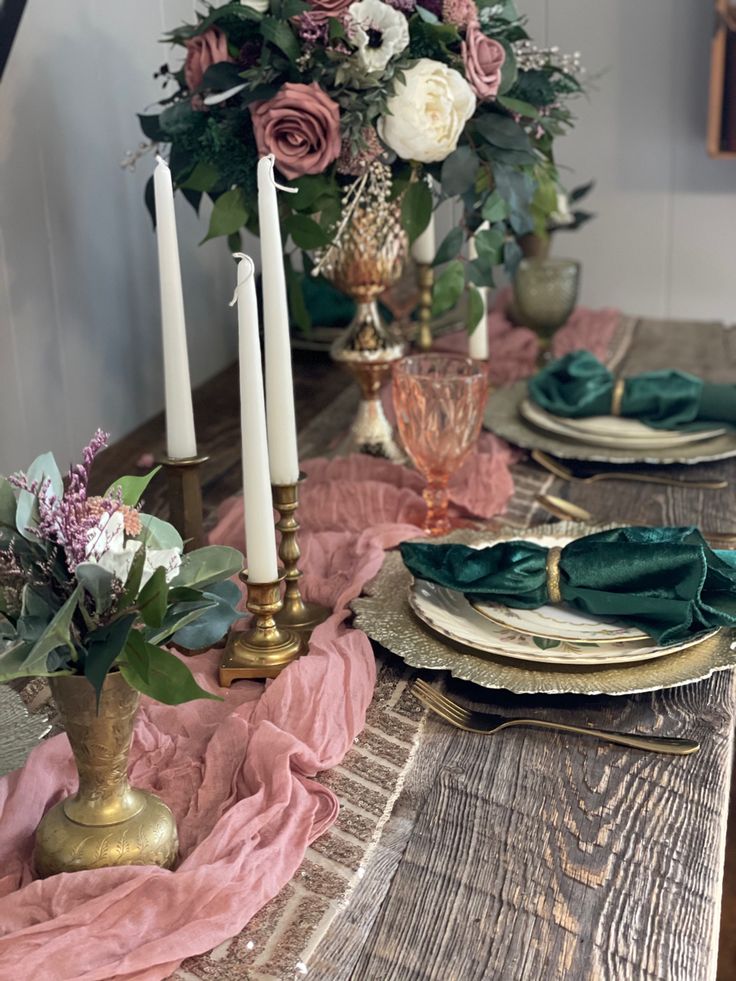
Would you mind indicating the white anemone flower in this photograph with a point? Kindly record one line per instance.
(379, 33)
(108, 548)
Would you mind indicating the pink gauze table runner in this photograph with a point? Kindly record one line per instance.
(238, 774)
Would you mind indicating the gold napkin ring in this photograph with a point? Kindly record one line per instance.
(617, 396)
(553, 575)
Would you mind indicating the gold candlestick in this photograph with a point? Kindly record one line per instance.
(185, 499)
(425, 278)
(265, 649)
(295, 613)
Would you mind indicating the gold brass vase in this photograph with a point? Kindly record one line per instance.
(107, 822)
(365, 259)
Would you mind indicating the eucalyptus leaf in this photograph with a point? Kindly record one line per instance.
(14, 661)
(306, 233)
(208, 565)
(229, 213)
(131, 488)
(494, 208)
(489, 243)
(104, 646)
(503, 132)
(309, 189)
(159, 674)
(202, 178)
(214, 622)
(156, 533)
(475, 309)
(135, 575)
(518, 106)
(152, 601)
(178, 616)
(512, 256)
(278, 33)
(416, 209)
(450, 247)
(458, 171)
(448, 287)
(45, 474)
(56, 634)
(98, 582)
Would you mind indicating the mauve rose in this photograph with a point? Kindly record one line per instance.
(484, 60)
(202, 51)
(322, 9)
(300, 126)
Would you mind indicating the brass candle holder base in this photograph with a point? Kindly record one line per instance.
(265, 649)
(185, 499)
(425, 280)
(295, 613)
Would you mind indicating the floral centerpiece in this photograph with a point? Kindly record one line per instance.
(90, 587)
(91, 584)
(453, 90)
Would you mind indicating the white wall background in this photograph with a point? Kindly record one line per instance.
(79, 317)
(79, 325)
(664, 241)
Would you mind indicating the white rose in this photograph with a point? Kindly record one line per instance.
(378, 31)
(108, 548)
(427, 112)
(261, 6)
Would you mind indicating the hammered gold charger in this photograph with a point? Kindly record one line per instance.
(503, 417)
(384, 613)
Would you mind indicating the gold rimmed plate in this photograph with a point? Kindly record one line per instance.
(384, 613)
(504, 418)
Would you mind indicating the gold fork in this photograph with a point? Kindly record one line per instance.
(487, 724)
(565, 473)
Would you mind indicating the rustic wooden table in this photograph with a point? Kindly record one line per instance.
(534, 855)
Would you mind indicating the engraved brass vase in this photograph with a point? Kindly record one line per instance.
(366, 260)
(107, 822)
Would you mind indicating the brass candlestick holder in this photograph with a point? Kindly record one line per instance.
(295, 613)
(425, 280)
(185, 499)
(265, 649)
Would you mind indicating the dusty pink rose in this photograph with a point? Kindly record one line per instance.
(484, 60)
(322, 9)
(300, 126)
(202, 51)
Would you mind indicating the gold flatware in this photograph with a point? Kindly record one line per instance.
(564, 473)
(567, 511)
(487, 724)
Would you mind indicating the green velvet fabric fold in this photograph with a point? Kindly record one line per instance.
(578, 385)
(665, 581)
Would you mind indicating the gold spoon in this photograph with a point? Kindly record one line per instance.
(564, 473)
(567, 511)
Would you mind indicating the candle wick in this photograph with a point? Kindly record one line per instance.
(280, 187)
(160, 160)
(248, 275)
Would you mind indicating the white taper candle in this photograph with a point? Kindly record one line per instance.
(180, 438)
(478, 340)
(424, 247)
(281, 421)
(260, 533)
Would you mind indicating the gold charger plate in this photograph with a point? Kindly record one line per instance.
(385, 615)
(503, 417)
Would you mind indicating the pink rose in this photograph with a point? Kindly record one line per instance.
(322, 9)
(202, 51)
(300, 126)
(484, 60)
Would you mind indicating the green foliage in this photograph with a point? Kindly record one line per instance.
(159, 534)
(432, 40)
(104, 646)
(131, 488)
(475, 309)
(45, 475)
(152, 599)
(450, 246)
(202, 632)
(416, 209)
(448, 288)
(305, 232)
(208, 565)
(494, 208)
(279, 33)
(159, 674)
(229, 214)
(459, 171)
(7, 504)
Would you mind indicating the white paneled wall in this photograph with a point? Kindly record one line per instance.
(79, 326)
(664, 241)
(79, 322)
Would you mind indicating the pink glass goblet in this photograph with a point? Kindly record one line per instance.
(439, 401)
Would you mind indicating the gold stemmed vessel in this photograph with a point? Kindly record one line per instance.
(296, 613)
(185, 499)
(366, 257)
(265, 649)
(107, 822)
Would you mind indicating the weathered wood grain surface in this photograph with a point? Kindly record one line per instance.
(531, 855)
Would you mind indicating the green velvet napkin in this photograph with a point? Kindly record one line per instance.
(665, 581)
(578, 385)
